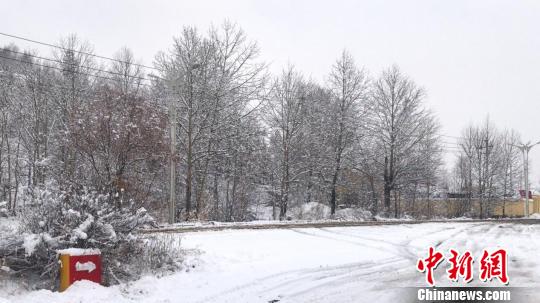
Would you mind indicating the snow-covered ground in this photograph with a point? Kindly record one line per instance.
(341, 264)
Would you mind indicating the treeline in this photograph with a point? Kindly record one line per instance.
(488, 167)
(70, 120)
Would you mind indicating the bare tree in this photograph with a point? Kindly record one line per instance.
(397, 120)
(127, 73)
(487, 165)
(215, 82)
(285, 117)
(187, 81)
(73, 88)
(349, 88)
(511, 165)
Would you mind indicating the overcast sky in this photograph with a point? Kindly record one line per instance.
(474, 58)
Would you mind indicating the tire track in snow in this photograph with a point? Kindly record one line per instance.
(401, 245)
(326, 276)
(260, 285)
(389, 274)
(389, 279)
(325, 284)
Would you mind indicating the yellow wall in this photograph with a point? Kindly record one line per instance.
(516, 208)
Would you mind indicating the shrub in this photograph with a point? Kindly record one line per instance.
(83, 219)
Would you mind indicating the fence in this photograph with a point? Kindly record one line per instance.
(450, 208)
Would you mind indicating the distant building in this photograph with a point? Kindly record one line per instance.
(457, 195)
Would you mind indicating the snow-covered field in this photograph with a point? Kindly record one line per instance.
(342, 264)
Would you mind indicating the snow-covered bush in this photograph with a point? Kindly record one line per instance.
(319, 211)
(161, 253)
(353, 214)
(310, 211)
(3, 209)
(81, 219)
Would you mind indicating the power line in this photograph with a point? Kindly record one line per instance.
(76, 51)
(61, 69)
(453, 137)
(450, 143)
(450, 147)
(47, 87)
(74, 64)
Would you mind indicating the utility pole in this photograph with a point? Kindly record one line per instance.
(172, 192)
(172, 158)
(487, 182)
(480, 183)
(483, 177)
(525, 148)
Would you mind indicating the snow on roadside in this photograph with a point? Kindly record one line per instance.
(534, 216)
(305, 213)
(341, 264)
(80, 291)
(310, 211)
(353, 214)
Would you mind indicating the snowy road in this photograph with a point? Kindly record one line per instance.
(338, 264)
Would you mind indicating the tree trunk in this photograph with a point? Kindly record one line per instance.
(387, 193)
(10, 201)
(428, 200)
(215, 214)
(388, 184)
(227, 201)
(396, 206)
(373, 195)
(333, 194)
(188, 191)
(189, 174)
(284, 197)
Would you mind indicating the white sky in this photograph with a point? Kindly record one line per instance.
(474, 58)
